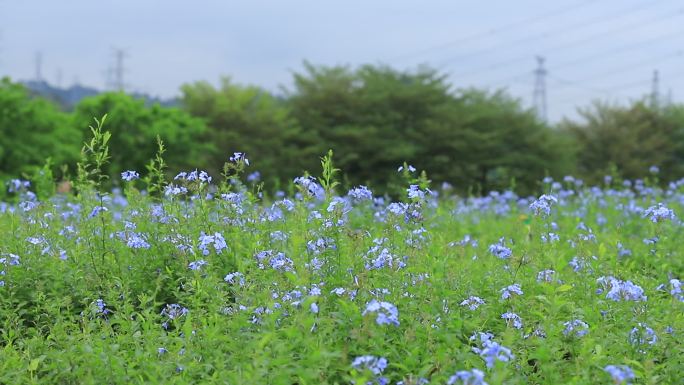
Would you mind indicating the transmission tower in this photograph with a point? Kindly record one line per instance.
(655, 90)
(117, 70)
(539, 93)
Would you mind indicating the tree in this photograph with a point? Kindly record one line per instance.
(248, 119)
(32, 130)
(134, 129)
(375, 118)
(488, 140)
(372, 117)
(631, 139)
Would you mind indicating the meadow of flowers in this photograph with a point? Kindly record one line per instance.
(211, 281)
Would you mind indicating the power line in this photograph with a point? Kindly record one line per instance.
(586, 39)
(616, 71)
(603, 53)
(494, 31)
(538, 36)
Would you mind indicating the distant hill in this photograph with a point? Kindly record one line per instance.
(67, 98)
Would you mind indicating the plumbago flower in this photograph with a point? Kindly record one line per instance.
(216, 240)
(642, 335)
(659, 213)
(197, 265)
(387, 314)
(511, 290)
(467, 377)
(621, 374)
(543, 205)
(575, 328)
(172, 312)
(490, 350)
(499, 250)
(375, 365)
(676, 289)
(234, 278)
(130, 175)
(239, 157)
(360, 194)
(620, 290)
(472, 302)
(546, 275)
(512, 319)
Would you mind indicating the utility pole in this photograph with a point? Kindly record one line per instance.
(39, 65)
(539, 92)
(655, 90)
(117, 70)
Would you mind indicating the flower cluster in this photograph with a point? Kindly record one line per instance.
(387, 314)
(620, 290)
(543, 205)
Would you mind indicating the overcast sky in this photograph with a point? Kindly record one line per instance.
(594, 49)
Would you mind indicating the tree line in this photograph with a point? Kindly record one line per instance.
(374, 117)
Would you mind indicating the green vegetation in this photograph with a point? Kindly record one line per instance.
(373, 117)
(217, 283)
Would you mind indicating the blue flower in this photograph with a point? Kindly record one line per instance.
(376, 365)
(130, 175)
(97, 210)
(510, 290)
(197, 265)
(387, 314)
(575, 328)
(472, 302)
(492, 351)
(642, 334)
(676, 289)
(361, 193)
(659, 213)
(216, 240)
(499, 250)
(512, 318)
(239, 157)
(621, 374)
(543, 204)
(546, 275)
(232, 278)
(467, 377)
(254, 177)
(620, 290)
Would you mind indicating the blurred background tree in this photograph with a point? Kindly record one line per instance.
(31, 130)
(629, 139)
(374, 118)
(135, 126)
(249, 119)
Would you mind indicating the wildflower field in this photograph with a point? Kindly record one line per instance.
(195, 280)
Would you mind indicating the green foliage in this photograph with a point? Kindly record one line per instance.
(328, 180)
(155, 178)
(486, 140)
(86, 300)
(250, 120)
(135, 127)
(376, 118)
(31, 130)
(629, 140)
(94, 156)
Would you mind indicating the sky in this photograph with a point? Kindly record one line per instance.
(593, 49)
